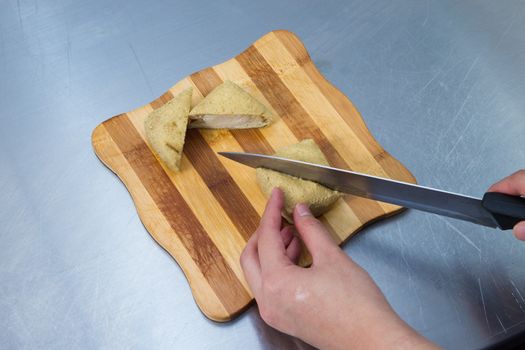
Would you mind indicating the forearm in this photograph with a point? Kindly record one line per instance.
(375, 332)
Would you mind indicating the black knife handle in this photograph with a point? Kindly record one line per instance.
(507, 210)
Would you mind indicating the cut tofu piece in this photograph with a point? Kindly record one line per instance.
(296, 190)
(165, 129)
(229, 107)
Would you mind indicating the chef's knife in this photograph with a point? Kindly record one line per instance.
(494, 210)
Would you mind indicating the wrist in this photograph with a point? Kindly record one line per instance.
(394, 334)
(385, 331)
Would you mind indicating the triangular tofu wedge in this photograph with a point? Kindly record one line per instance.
(229, 107)
(316, 196)
(165, 129)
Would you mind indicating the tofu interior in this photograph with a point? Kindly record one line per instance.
(236, 121)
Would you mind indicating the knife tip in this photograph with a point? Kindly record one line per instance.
(229, 155)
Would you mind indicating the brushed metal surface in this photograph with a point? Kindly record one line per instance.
(439, 83)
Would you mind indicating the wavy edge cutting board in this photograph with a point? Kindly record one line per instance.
(203, 215)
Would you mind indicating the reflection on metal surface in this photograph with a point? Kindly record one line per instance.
(439, 83)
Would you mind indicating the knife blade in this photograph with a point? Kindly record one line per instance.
(494, 210)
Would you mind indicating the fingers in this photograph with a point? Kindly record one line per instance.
(251, 266)
(315, 236)
(293, 251)
(519, 231)
(513, 184)
(287, 235)
(292, 243)
(270, 245)
(271, 219)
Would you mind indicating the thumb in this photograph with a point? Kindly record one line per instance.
(519, 231)
(313, 233)
(513, 184)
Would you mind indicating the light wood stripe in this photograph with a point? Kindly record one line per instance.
(157, 225)
(342, 219)
(177, 213)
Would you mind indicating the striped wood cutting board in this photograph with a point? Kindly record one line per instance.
(204, 214)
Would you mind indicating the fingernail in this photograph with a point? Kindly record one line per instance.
(302, 209)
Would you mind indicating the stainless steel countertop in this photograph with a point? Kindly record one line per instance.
(441, 84)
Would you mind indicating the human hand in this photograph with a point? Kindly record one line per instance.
(334, 304)
(513, 185)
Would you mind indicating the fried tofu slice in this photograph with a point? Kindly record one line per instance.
(228, 106)
(165, 129)
(319, 198)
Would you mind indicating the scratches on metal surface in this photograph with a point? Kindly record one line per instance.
(458, 231)
(460, 138)
(442, 138)
(434, 240)
(483, 302)
(506, 31)
(19, 319)
(507, 329)
(19, 14)
(427, 14)
(68, 53)
(475, 160)
(501, 324)
(472, 65)
(404, 248)
(141, 68)
(457, 114)
(520, 304)
(517, 290)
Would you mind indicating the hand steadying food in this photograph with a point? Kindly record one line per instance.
(334, 304)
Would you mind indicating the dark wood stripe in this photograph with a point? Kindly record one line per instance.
(177, 213)
(251, 140)
(344, 108)
(162, 100)
(294, 115)
(206, 80)
(221, 184)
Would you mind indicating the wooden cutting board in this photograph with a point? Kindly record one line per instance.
(204, 214)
